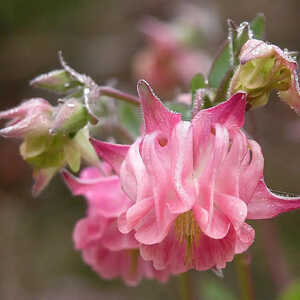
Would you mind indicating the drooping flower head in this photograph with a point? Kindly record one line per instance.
(109, 252)
(193, 185)
(52, 137)
(263, 68)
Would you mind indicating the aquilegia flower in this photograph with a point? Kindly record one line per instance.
(192, 185)
(264, 67)
(53, 137)
(109, 252)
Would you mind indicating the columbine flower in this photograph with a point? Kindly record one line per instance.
(264, 67)
(109, 252)
(193, 185)
(53, 137)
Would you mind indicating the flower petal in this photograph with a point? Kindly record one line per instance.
(114, 154)
(104, 194)
(156, 115)
(229, 113)
(264, 204)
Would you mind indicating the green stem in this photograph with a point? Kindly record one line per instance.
(114, 93)
(186, 286)
(242, 264)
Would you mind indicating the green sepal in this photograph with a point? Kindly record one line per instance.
(75, 122)
(59, 81)
(52, 156)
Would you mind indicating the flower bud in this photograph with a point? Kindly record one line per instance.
(53, 137)
(59, 81)
(70, 117)
(264, 68)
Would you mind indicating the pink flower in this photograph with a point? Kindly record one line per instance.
(264, 67)
(166, 61)
(31, 117)
(193, 185)
(109, 252)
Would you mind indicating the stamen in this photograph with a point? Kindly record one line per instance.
(187, 230)
(134, 255)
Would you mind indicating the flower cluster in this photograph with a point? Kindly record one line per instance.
(180, 195)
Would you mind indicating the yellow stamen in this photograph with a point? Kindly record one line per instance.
(134, 255)
(187, 230)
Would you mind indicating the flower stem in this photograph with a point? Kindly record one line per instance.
(186, 286)
(242, 263)
(111, 92)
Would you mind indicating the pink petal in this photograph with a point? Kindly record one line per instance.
(228, 174)
(114, 240)
(133, 175)
(128, 220)
(229, 113)
(253, 49)
(88, 231)
(292, 95)
(181, 145)
(103, 193)
(147, 230)
(251, 171)
(30, 116)
(156, 115)
(245, 238)
(114, 154)
(217, 224)
(264, 204)
(21, 110)
(234, 208)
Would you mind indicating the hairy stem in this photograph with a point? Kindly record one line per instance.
(242, 263)
(111, 92)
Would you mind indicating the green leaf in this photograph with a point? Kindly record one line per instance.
(183, 109)
(198, 82)
(59, 81)
(257, 26)
(222, 91)
(129, 117)
(244, 33)
(292, 292)
(237, 37)
(220, 66)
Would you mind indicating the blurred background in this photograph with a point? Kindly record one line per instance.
(102, 38)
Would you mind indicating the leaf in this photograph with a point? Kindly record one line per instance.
(183, 109)
(244, 33)
(129, 117)
(220, 66)
(258, 25)
(222, 92)
(198, 82)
